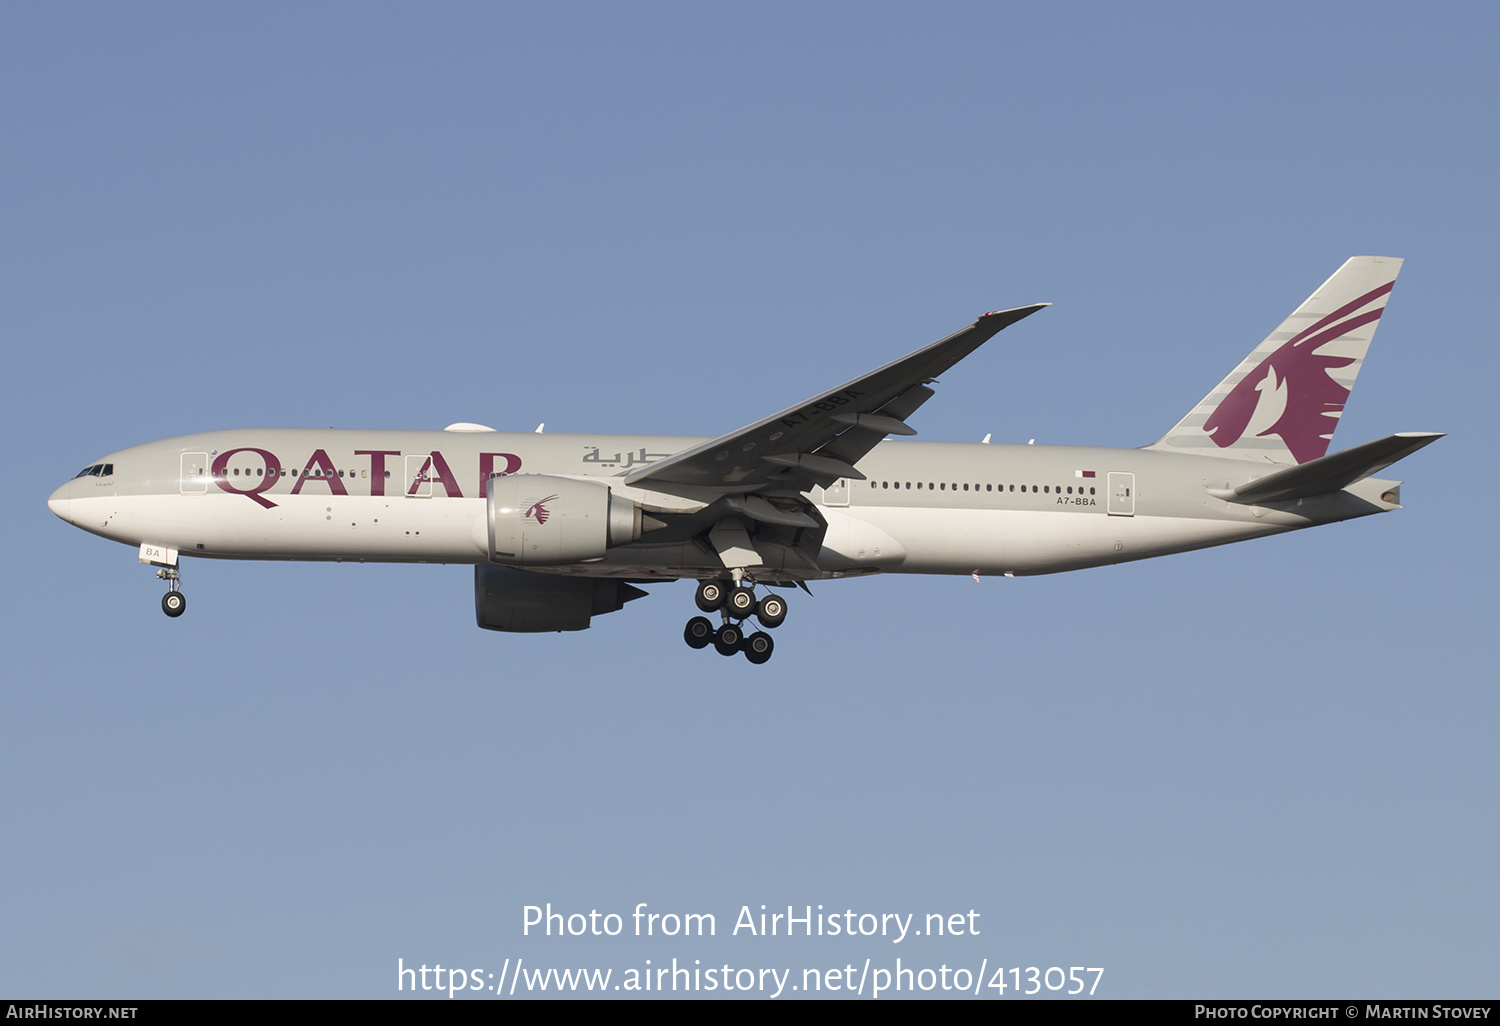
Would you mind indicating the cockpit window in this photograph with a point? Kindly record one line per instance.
(97, 470)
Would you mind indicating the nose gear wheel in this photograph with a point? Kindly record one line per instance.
(173, 603)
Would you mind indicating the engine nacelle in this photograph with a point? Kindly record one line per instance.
(506, 599)
(540, 520)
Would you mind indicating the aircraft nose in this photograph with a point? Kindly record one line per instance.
(58, 502)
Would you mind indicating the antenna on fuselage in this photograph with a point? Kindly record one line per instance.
(540, 426)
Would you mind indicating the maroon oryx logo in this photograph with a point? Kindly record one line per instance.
(538, 512)
(1312, 400)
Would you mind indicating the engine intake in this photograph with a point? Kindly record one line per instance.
(541, 520)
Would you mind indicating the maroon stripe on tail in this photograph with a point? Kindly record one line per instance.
(1344, 311)
(1339, 331)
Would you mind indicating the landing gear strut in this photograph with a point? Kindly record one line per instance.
(735, 603)
(173, 603)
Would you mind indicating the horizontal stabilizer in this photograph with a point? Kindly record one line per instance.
(1328, 473)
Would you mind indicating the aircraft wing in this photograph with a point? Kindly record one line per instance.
(821, 439)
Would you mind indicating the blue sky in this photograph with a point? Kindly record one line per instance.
(1261, 770)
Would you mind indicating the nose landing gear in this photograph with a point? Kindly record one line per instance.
(735, 603)
(173, 603)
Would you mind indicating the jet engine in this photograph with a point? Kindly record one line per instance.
(540, 520)
(506, 599)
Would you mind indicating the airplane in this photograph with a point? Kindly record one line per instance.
(564, 527)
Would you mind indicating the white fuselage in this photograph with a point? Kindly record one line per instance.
(924, 507)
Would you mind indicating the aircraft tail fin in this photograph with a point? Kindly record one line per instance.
(1282, 403)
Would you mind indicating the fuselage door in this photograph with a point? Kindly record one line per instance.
(194, 473)
(1121, 495)
(419, 476)
(837, 494)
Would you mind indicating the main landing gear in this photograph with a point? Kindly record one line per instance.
(735, 603)
(173, 603)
